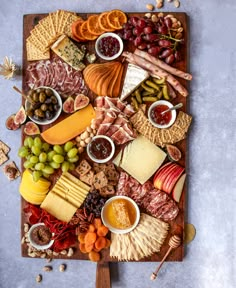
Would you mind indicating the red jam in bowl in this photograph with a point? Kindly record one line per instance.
(109, 46)
(159, 119)
(100, 148)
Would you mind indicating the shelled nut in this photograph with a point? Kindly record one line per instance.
(150, 7)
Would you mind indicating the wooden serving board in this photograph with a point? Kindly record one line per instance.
(177, 225)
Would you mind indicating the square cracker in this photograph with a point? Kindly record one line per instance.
(52, 23)
(106, 191)
(44, 41)
(70, 20)
(4, 147)
(83, 168)
(100, 180)
(34, 40)
(11, 171)
(3, 157)
(33, 54)
(87, 178)
(62, 21)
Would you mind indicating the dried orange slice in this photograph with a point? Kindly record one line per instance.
(85, 33)
(93, 25)
(116, 18)
(75, 28)
(103, 23)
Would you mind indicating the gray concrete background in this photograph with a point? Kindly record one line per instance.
(210, 258)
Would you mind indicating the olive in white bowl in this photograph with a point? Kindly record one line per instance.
(109, 46)
(158, 119)
(44, 105)
(101, 149)
(120, 214)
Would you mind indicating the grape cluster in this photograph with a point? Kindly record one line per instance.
(157, 38)
(43, 159)
(94, 203)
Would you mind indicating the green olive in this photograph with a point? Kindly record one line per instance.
(50, 108)
(35, 97)
(42, 97)
(30, 112)
(44, 107)
(39, 113)
(48, 92)
(30, 93)
(39, 90)
(54, 99)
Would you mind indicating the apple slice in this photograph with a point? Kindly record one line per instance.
(161, 176)
(169, 177)
(178, 189)
(171, 180)
(160, 169)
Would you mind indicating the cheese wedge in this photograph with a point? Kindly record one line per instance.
(58, 207)
(69, 52)
(141, 158)
(70, 127)
(133, 78)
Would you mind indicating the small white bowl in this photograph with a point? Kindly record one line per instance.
(93, 158)
(173, 113)
(35, 245)
(45, 121)
(107, 223)
(109, 34)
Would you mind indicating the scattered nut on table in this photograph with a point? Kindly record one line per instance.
(177, 3)
(62, 267)
(47, 268)
(150, 7)
(39, 278)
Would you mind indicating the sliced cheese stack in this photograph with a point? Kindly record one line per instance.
(66, 197)
(146, 239)
(141, 158)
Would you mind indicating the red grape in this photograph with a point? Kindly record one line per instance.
(165, 53)
(164, 43)
(141, 23)
(137, 30)
(127, 34)
(147, 30)
(142, 46)
(170, 59)
(168, 22)
(162, 30)
(151, 37)
(137, 41)
(177, 56)
(134, 20)
(154, 50)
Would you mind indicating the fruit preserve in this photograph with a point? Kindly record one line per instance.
(100, 148)
(158, 118)
(109, 46)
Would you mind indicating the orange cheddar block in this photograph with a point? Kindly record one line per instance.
(70, 127)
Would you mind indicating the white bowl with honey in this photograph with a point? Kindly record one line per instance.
(120, 214)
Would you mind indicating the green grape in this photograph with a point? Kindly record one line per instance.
(23, 152)
(45, 175)
(28, 156)
(26, 142)
(45, 147)
(72, 153)
(58, 149)
(36, 150)
(58, 158)
(42, 157)
(54, 165)
(48, 170)
(30, 142)
(27, 164)
(37, 142)
(65, 166)
(72, 167)
(74, 159)
(39, 166)
(50, 155)
(69, 145)
(37, 175)
(34, 159)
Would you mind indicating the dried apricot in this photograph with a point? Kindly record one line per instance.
(97, 222)
(91, 228)
(81, 237)
(88, 247)
(100, 243)
(82, 248)
(90, 237)
(102, 231)
(94, 256)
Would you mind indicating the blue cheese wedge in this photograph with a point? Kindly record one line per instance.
(140, 158)
(69, 52)
(133, 78)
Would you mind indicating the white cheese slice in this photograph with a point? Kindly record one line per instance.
(69, 52)
(133, 78)
(140, 159)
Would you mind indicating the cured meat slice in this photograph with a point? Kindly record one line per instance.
(106, 123)
(129, 110)
(99, 101)
(121, 136)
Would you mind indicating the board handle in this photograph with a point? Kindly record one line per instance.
(103, 275)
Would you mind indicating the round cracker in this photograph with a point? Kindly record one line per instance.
(189, 233)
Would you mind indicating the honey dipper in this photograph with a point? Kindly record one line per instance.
(174, 242)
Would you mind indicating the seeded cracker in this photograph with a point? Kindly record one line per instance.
(4, 147)
(83, 168)
(11, 171)
(100, 180)
(3, 157)
(87, 178)
(33, 54)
